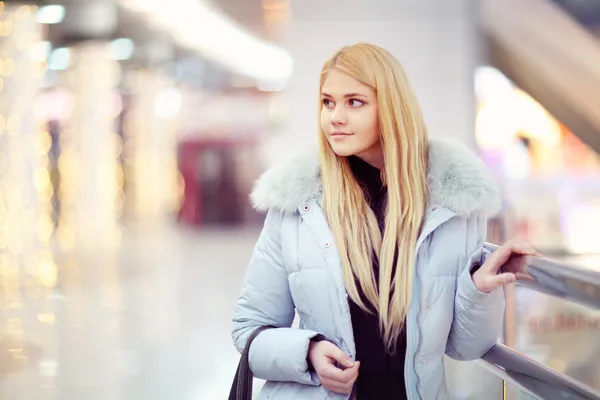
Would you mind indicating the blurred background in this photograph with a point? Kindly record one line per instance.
(131, 132)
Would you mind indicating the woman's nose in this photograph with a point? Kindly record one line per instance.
(338, 117)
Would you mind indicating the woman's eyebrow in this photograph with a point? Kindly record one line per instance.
(346, 95)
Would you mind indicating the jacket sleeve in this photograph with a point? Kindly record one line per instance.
(278, 354)
(478, 316)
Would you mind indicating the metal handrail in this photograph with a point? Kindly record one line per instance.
(561, 280)
(534, 378)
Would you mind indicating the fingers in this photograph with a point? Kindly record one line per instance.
(337, 388)
(340, 376)
(502, 279)
(509, 277)
(524, 249)
(524, 277)
(503, 254)
(342, 387)
(335, 353)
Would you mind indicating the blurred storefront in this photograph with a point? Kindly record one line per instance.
(551, 185)
(550, 179)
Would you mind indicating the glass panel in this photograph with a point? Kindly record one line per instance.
(557, 333)
(513, 392)
(472, 380)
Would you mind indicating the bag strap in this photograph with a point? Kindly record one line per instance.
(241, 388)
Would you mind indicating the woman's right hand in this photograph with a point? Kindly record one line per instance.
(323, 355)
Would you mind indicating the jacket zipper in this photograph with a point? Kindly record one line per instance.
(419, 338)
(416, 325)
(409, 392)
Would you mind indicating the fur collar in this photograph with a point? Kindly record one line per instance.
(458, 180)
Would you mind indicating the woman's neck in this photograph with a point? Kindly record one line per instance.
(372, 157)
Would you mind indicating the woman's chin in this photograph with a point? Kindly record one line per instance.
(343, 150)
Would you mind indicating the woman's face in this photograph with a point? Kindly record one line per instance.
(349, 118)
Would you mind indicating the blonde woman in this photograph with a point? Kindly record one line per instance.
(375, 241)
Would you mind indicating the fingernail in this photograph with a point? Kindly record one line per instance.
(350, 363)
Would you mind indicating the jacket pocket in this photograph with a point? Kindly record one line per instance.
(294, 390)
(270, 390)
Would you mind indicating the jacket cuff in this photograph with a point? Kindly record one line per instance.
(281, 355)
(466, 289)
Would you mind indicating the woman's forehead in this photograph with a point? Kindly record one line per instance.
(337, 83)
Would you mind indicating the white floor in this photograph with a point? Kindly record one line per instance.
(151, 322)
(148, 322)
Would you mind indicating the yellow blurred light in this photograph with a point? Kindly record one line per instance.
(22, 12)
(502, 117)
(28, 220)
(16, 351)
(67, 147)
(15, 326)
(1, 6)
(118, 146)
(12, 271)
(7, 28)
(4, 261)
(8, 67)
(67, 163)
(33, 289)
(14, 200)
(493, 129)
(44, 143)
(535, 120)
(14, 245)
(45, 227)
(63, 195)
(13, 125)
(120, 205)
(120, 177)
(66, 237)
(11, 224)
(117, 237)
(180, 189)
(3, 163)
(68, 132)
(30, 264)
(44, 161)
(47, 274)
(48, 193)
(67, 217)
(42, 68)
(22, 43)
(47, 318)
(41, 179)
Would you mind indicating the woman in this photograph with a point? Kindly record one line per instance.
(377, 245)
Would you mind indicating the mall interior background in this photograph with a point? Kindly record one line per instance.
(131, 132)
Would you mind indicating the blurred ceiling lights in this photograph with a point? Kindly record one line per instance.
(51, 14)
(194, 25)
(121, 49)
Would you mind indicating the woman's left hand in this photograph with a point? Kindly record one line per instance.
(513, 258)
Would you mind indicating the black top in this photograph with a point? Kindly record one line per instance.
(381, 375)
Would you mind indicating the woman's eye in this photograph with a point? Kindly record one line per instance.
(327, 102)
(356, 103)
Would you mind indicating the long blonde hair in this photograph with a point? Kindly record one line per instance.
(404, 141)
